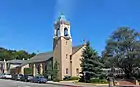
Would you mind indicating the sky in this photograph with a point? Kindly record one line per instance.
(29, 24)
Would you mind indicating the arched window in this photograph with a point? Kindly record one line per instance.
(65, 32)
(66, 70)
(77, 71)
(58, 32)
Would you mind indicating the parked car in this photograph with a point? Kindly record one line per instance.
(14, 76)
(27, 78)
(1, 76)
(39, 79)
(6, 76)
(17, 77)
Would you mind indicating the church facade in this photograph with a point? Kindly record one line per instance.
(67, 56)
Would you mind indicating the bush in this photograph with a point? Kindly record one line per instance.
(71, 78)
(103, 76)
(56, 80)
(66, 77)
(28, 71)
(97, 80)
(81, 79)
(74, 78)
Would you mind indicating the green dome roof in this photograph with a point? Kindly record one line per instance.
(61, 17)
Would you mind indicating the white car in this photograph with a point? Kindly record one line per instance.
(7, 76)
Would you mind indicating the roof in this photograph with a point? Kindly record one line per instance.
(76, 48)
(47, 55)
(16, 61)
(39, 58)
(61, 17)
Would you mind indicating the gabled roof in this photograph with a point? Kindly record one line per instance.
(39, 58)
(76, 48)
(16, 61)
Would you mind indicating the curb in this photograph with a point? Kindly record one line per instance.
(64, 85)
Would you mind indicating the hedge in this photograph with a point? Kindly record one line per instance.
(96, 80)
(71, 78)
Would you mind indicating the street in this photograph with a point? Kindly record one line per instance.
(12, 83)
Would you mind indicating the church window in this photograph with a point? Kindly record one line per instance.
(65, 32)
(58, 32)
(66, 70)
(70, 57)
(66, 56)
(77, 70)
(66, 42)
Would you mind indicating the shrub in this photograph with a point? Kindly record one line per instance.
(66, 77)
(81, 79)
(97, 80)
(103, 76)
(28, 71)
(71, 78)
(74, 78)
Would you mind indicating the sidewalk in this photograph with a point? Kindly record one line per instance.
(72, 84)
(65, 84)
(92, 85)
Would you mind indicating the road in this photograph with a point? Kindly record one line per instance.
(12, 83)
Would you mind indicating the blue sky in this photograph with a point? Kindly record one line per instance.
(28, 24)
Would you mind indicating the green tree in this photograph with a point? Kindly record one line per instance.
(123, 48)
(31, 55)
(107, 60)
(91, 66)
(55, 72)
(28, 71)
(13, 54)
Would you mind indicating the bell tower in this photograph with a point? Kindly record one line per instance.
(62, 45)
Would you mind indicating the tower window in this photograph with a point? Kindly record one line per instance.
(66, 42)
(65, 32)
(58, 32)
(70, 57)
(66, 56)
(66, 70)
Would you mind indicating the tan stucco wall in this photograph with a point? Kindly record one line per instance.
(41, 68)
(22, 68)
(19, 70)
(57, 55)
(63, 47)
(76, 61)
(66, 49)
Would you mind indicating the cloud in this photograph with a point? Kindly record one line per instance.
(65, 6)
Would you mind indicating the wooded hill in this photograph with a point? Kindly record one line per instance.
(14, 54)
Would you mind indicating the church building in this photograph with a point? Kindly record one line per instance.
(67, 56)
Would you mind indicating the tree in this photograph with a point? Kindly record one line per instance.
(55, 72)
(123, 47)
(28, 71)
(107, 60)
(32, 55)
(13, 54)
(91, 67)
